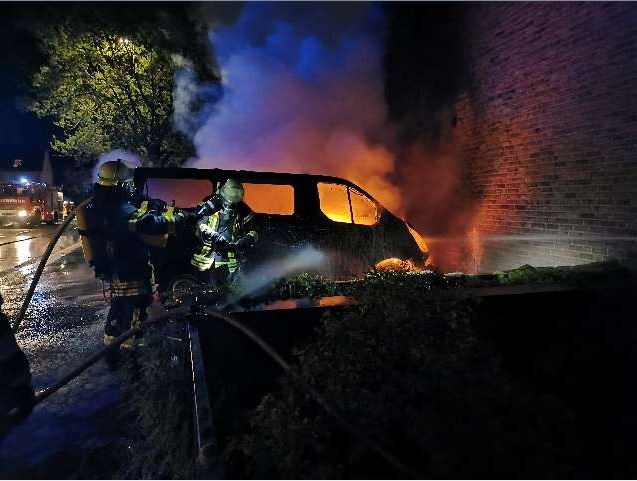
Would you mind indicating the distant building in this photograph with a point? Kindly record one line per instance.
(33, 167)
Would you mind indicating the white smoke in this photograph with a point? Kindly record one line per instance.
(130, 159)
(192, 99)
(185, 94)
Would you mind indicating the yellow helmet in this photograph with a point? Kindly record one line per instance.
(232, 191)
(113, 173)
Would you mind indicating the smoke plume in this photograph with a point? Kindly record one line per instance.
(302, 92)
(192, 99)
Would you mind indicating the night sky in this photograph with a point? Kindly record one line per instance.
(21, 133)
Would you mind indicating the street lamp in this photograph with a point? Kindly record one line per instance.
(125, 41)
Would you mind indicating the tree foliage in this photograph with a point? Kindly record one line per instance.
(110, 90)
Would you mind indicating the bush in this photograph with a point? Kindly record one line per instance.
(411, 374)
(414, 376)
(313, 286)
(586, 275)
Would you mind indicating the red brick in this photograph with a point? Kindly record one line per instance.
(549, 133)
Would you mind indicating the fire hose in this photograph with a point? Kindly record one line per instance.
(355, 431)
(72, 374)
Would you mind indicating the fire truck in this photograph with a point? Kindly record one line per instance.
(30, 204)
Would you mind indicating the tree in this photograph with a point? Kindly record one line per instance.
(110, 90)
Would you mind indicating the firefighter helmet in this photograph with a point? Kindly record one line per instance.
(113, 173)
(232, 191)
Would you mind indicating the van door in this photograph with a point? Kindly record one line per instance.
(349, 228)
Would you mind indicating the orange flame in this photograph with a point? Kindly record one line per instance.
(396, 265)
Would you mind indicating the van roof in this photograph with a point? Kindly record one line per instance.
(192, 173)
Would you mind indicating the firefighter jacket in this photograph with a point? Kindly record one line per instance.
(221, 233)
(116, 226)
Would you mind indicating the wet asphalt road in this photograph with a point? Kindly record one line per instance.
(63, 326)
(19, 246)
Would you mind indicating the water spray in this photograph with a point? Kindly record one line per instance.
(264, 275)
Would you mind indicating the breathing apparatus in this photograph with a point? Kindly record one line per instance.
(227, 198)
(116, 175)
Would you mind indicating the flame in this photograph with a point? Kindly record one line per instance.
(420, 240)
(397, 265)
(337, 217)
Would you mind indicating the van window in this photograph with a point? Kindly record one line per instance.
(364, 210)
(185, 192)
(333, 202)
(269, 198)
(344, 204)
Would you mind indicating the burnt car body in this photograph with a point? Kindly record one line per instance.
(348, 226)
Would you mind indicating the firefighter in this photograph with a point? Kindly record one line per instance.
(16, 392)
(115, 244)
(225, 231)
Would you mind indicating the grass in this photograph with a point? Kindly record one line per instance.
(159, 407)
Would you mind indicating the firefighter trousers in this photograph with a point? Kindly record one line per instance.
(126, 312)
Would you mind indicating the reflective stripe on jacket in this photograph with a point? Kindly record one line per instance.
(204, 259)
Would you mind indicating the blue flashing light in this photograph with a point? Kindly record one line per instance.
(24, 180)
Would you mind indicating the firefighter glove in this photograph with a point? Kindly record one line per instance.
(209, 206)
(185, 215)
(217, 240)
(245, 242)
(221, 244)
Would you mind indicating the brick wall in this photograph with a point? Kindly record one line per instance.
(548, 133)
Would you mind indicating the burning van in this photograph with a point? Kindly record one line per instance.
(352, 231)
